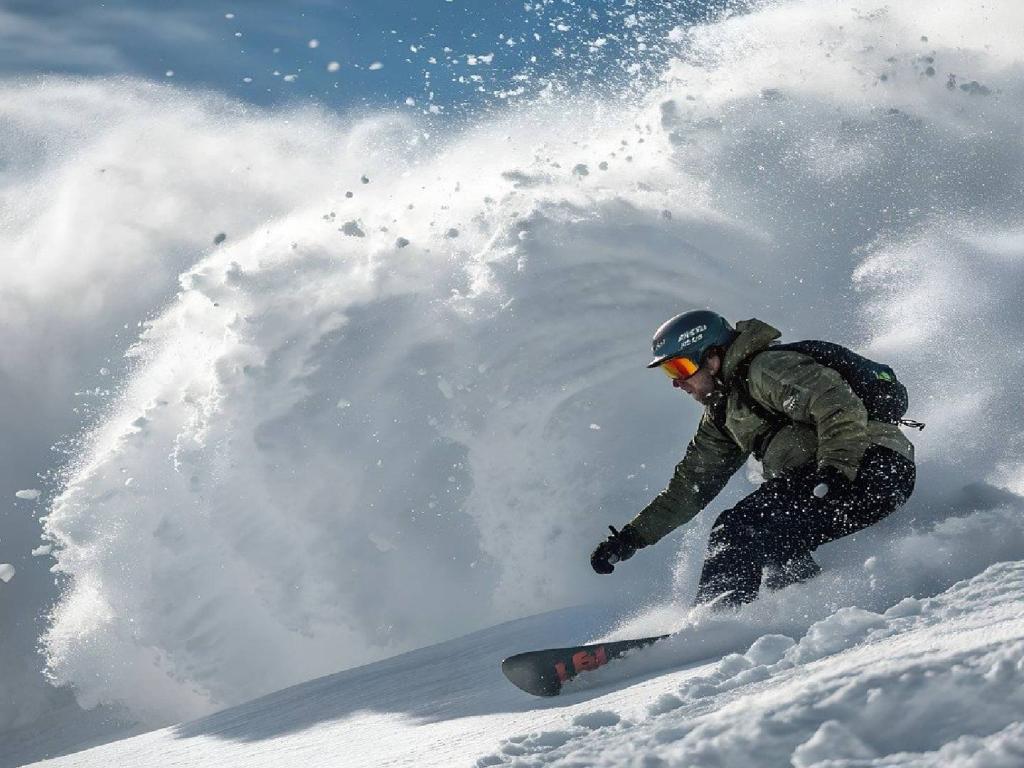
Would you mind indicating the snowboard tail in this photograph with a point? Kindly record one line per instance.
(543, 673)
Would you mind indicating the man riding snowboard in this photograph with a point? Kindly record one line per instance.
(830, 468)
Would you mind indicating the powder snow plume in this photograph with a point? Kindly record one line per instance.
(406, 403)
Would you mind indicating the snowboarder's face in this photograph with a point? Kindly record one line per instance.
(700, 385)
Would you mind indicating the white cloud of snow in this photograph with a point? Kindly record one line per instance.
(107, 192)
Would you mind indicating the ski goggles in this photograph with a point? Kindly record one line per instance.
(679, 368)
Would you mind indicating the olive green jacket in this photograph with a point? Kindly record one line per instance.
(828, 425)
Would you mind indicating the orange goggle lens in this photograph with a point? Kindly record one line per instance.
(679, 368)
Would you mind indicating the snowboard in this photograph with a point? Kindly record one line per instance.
(543, 673)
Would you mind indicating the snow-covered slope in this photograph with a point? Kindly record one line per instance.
(406, 407)
(933, 682)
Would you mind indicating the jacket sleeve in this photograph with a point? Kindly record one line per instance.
(806, 391)
(710, 460)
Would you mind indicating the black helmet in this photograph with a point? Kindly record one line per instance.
(691, 335)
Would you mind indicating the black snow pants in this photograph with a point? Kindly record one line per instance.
(778, 525)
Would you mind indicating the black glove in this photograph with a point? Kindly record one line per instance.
(829, 482)
(621, 545)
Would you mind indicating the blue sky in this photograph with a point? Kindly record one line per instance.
(467, 53)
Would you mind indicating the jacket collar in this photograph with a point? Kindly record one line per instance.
(753, 336)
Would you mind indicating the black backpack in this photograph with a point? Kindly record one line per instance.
(883, 395)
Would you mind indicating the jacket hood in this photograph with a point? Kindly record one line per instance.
(753, 336)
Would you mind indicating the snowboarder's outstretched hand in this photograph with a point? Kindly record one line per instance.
(621, 545)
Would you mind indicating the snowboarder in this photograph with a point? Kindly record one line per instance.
(830, 467)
